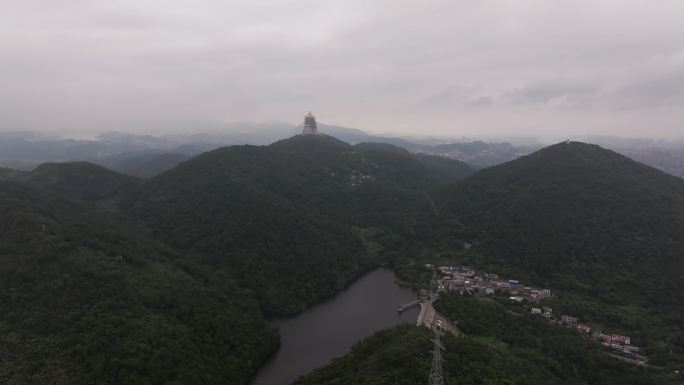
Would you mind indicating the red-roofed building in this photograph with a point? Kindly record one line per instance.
(584, 328)
(620, 339)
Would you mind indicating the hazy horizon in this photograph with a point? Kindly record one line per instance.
(483, 69)
(246, 127)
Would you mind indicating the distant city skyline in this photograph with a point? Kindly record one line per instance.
(479, 69)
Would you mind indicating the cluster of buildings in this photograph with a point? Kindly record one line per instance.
(615, 342)
(463, 279)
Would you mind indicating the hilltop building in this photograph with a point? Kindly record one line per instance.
(310, 127)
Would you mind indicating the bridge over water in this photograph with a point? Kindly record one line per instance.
(426, 316)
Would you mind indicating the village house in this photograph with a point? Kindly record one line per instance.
(568, 320)
(624, 340)
(462, 279)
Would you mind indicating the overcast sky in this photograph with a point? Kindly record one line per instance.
(455, 68)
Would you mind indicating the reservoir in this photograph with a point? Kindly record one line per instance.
(329, 329)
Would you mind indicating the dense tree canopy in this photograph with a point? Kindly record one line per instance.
(112, 279)
(81, 180)
(293, 220)
(171, 285)
(500, 346)
(401, 356)
(88, 299)
(602, 230)
(504, 346)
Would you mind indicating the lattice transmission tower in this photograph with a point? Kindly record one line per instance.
(436, 377)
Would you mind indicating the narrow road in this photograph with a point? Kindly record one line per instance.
(427, 313)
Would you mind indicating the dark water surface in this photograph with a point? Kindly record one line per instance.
(327, 330)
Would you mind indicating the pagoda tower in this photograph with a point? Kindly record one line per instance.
(310, 125)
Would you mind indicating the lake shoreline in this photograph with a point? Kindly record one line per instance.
(329, 328)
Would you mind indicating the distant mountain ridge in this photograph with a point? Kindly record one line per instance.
(146, 155)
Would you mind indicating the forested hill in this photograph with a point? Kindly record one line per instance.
(301, 210)
(576, 205)
(86, 297)
(81, 180)
(602, 231)
(502, 348)
(111, 279)
(583, 219)
(400, 355)
(8, 173)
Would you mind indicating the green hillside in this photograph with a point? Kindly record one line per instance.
(81, 180)
(500, 346)
(8, 173)
(401, 355)
(172, 288)
(111, 279)
(601, 228)
(508, 346)
(87, 298)
(292, 220)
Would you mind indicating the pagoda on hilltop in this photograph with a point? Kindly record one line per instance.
(310, 125)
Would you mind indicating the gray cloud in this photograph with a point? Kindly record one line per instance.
(657, 83)
(458, 97)
(662, 92)
(445, 67)
(550, 91)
